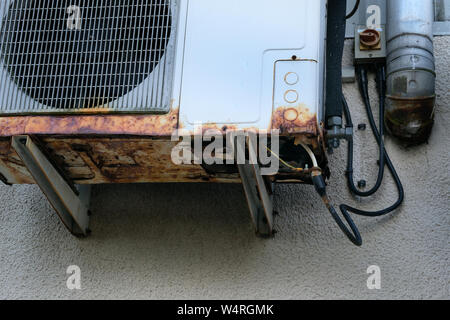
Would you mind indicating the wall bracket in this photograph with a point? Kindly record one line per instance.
(258, 193)
(72, 206)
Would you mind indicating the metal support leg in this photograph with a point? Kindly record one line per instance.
(70, 205)
(259, 198)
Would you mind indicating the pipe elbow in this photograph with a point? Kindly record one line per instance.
(411, 73)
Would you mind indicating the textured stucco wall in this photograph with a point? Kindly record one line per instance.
(196, 241)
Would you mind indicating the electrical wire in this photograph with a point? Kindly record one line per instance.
(319, 182)
(284, 162)
(307, 149)
(353, 233)
(311, 154)
(364, 90)
(381, 83)
(355, 9)
(320, 185)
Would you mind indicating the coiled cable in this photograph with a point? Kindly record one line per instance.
(379, 136)
(364, 90)
(353, 233)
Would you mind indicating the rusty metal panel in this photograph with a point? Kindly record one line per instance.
(11, 166)
(298, 119)
(139, 125)
(110, 160)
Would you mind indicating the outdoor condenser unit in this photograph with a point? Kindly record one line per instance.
(92, 91)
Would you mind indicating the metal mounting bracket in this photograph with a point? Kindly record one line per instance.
(259, 197)
(72, 206)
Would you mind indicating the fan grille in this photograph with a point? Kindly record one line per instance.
(75, 55)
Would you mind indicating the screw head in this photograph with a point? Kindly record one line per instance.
(362, 184)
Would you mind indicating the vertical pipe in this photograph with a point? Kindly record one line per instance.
(335, 47)
(411, 73)
(336, 22)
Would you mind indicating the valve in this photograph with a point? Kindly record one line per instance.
(369, 39)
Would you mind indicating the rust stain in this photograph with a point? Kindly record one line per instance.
(211, 129)
(10, 161)
(90, 149)
(108, 160)
(103, 160)
(293, 120)
(410, 120)
(214, 129)
(124, 160)
(140, 125)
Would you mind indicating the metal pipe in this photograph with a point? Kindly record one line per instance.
(411, 73)
(337, 10)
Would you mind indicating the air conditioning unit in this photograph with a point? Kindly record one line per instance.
(92, 91)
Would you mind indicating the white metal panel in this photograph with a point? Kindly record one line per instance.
(292, 89)
(231, 48)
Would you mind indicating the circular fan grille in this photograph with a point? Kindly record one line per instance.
(83, 54)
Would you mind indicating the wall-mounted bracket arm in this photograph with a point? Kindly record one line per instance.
(71, 207)
(259, 196)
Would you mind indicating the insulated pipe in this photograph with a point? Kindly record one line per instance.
(335, 47)
(411, 73)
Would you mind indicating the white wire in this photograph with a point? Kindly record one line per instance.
(311, 154)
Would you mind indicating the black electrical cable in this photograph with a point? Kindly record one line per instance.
(335, 34)
(355, 9)
(381, 84)
(353, 234)
(364, 89)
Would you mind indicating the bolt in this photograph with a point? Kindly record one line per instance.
(333, 144)
(362, 184)
(330, 150)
